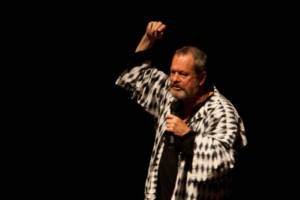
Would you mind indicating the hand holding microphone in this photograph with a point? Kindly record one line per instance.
(176, 125)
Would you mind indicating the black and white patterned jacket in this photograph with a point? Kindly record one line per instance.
(220, 133)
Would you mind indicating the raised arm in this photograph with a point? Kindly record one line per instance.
(154, 31)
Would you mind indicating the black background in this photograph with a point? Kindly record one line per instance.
(94, 141)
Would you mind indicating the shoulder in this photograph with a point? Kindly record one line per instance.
(219, 106)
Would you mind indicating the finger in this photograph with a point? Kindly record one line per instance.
(149, 28)
(154, 29)
(168, 122)
(162, 27)
(169, 126)
(169, 129)
(150, 25)
(160, 34)
(157, 25)
(170, 116)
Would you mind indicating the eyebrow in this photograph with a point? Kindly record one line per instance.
(180, 71)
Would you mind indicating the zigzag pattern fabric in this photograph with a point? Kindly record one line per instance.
(220, 136)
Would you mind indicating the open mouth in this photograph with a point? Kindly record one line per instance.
(176, 88)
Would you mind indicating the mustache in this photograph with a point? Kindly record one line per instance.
(176, 85)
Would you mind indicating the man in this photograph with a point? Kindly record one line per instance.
(198, 131)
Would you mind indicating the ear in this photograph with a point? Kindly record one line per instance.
(202, 78)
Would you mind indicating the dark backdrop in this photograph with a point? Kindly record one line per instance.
(99, 141)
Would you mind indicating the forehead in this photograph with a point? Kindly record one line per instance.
(183, 62)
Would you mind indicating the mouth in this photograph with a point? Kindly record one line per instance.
(176, 88)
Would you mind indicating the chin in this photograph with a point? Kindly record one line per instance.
(178, 94)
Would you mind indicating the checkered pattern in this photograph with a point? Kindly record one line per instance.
(220, 135)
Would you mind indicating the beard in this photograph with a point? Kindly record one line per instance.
(184, 93)
(179, 94)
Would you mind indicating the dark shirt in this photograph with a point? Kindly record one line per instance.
(168, 168)
(175, 148)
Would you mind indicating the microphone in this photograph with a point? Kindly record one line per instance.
(176, 109)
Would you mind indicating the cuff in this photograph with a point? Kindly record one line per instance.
(139, 58)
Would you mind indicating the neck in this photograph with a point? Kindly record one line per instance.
(189, 104)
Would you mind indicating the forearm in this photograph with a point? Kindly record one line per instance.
(144, 44)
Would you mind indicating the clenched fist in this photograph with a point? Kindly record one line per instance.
(154, 31)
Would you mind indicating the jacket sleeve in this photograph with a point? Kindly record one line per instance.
(146, 85)
(217, 144)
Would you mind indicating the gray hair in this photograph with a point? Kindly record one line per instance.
(199, 57)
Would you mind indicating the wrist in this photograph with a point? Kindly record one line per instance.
(186, 132)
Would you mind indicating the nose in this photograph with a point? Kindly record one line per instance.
(175, 77)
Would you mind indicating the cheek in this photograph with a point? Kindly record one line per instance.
(189, 83)
(192, 84)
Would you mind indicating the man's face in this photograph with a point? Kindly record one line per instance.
(184, 80)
